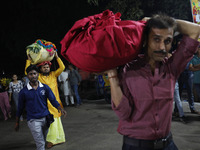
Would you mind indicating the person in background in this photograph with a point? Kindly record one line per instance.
(33, 97)
(56, 133)
(25, 81)
(142, 92)
(14, 88)
(178, 104)
(75, 80)
(195, 67)
(65, 86)
(4, 102)
(186, 78)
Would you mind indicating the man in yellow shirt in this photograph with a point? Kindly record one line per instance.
(56, 133)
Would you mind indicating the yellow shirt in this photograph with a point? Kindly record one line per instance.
(51, 81)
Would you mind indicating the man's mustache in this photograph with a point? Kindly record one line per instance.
(161, 52)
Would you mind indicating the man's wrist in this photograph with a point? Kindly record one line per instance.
(112, 73)
(114, 76)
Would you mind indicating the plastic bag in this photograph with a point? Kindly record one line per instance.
(41, 51)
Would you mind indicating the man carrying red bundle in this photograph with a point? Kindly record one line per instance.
(142, 94)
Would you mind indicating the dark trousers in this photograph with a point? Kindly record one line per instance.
(186, 78)
(171, 146)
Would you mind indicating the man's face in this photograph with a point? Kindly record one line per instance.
(159, 43)
(33, 76)
(45, 69)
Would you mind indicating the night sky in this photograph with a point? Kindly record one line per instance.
(24, 21)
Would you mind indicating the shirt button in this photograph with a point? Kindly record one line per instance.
(156, 114)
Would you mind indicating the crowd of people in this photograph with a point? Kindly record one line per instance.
(38, 77)
(68, 85)
(160, 74)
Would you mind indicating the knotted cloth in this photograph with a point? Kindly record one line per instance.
(103, 41)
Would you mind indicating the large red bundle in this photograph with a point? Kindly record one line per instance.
(101, 42)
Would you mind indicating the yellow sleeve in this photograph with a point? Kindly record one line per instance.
(61, 67)
(28, 63)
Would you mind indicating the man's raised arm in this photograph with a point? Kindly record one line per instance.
(188, 28)
(61, 65)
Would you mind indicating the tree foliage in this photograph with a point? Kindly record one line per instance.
(128, 8)
(137, 9)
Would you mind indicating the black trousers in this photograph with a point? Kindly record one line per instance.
(170, 146)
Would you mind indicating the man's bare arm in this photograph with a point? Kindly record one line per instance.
(194, 68)
(116, 92)
(188, 28)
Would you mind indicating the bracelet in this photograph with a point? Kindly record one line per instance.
(112, 77)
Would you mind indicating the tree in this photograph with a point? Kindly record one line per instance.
(128, 8)
(175, 8)
(137, 9)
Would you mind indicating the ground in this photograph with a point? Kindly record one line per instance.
(92, 126)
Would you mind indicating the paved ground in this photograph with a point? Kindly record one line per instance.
(93, 127)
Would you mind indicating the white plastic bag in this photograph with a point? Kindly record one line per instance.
(39, 54)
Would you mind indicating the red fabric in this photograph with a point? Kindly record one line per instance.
(101, 42)
(45, 63)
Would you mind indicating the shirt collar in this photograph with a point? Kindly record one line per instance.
(30, 87)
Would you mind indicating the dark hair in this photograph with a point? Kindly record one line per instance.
(32, 67)
(14, 74)
(160, 21)
(71, 66)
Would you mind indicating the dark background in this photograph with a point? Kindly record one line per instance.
(24, 21)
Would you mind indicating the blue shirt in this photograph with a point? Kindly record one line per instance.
(35, 101)
(195, 61)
